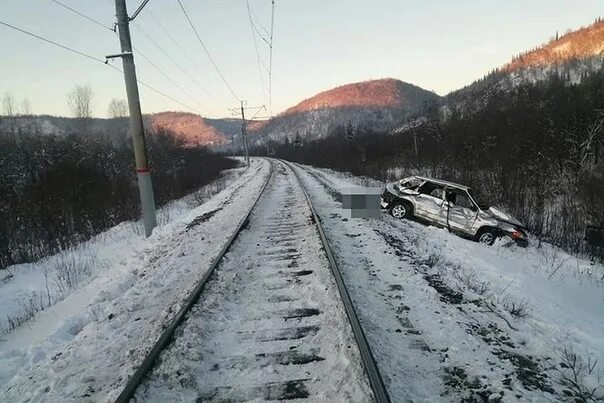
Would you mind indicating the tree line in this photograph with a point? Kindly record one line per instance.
(80, 101)
(59, 190)
(536, 150)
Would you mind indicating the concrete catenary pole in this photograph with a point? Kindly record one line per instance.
(244, 133)
(136, 120)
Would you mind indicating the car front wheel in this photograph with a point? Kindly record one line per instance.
(400, 211)
(486, 237)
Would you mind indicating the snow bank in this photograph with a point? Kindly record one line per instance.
(497, 321)
(88, 343)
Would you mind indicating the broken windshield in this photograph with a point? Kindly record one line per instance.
(480, 200)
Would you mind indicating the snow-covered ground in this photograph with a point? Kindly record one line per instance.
(85, 346)
(450, 319)
(447, 319)
(269, 324)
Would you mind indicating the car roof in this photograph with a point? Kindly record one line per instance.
(443, 182)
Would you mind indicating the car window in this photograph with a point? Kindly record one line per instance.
(462, 200)
(480, 200)
(411, 183)
(437, 192)
(432, 189)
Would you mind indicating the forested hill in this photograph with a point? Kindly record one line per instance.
(536, 150)
(571, 56)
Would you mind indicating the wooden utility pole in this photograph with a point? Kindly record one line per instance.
(143, 172)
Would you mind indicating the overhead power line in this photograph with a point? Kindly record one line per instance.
(174, 41)
(139, 9)
(255, 26)
(259, 24)
(161, 49)
(258, 58)
(167, 77)
(254, 23)
(144, 84)
(96, 59)
(207, 51)
(82, 14)
(270, 62)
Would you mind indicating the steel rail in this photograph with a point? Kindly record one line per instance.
(373, 374)
(166, 336)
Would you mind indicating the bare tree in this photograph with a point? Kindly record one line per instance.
(9, 110)
(25, 107)
(118, 108)
(9, 105)
(79, 101)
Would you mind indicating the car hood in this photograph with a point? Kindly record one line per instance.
(505, 217)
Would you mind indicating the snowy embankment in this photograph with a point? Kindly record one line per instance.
(87, 344)
(452, 319)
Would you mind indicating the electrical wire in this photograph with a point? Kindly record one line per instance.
(182, 69)
(270, 60)
(255, 26)
(96, 59)
(249, 13)
(82, 14)
(167, 77)
(266, 32)
(261, 65)
(174, 41)
(207, 51)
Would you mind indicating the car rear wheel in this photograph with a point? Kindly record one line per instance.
(400, 211)
(486, 236)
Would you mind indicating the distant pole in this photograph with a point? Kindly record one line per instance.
(143, 173)
(244, 133)
(415, 143)
(241, 109)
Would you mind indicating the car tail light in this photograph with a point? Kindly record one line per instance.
(517, 234)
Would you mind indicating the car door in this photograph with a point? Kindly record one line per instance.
(429, 203)
(462, 212)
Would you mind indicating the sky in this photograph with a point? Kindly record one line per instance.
(440, 45)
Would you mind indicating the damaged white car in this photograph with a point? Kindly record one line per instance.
(452, 206)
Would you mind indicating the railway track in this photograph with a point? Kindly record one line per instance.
(272, 319)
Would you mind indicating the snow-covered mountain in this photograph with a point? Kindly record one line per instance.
(382, 104)
(584, 43)
(192, 129)
(570, 56)
(378, 104)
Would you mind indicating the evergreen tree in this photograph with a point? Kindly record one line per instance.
(349, 132)
(298, 142)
